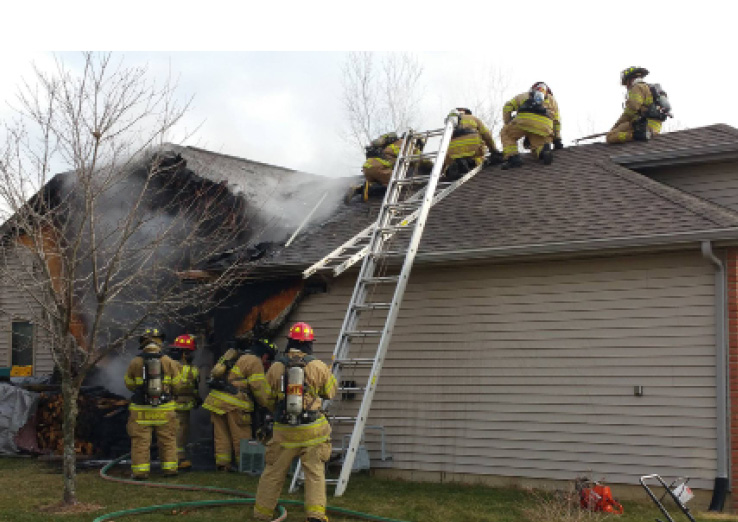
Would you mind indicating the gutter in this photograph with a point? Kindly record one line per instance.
(721, 378)
(716, 152)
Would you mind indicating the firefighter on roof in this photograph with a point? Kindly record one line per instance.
(466, 150)
(299, 382)
(646, 107)
(236, 381)
(537, 119)
(381, 156)
(152, 377)
(187, 396)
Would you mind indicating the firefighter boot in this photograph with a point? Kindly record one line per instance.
(513, 162)
(546, 155)
(495, 158)
(185, 465)
(353, 191)
(641, 131)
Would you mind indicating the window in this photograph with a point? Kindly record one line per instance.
(22, 344)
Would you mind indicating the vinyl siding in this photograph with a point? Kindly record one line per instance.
(717, 182)
(15, 306)
(528, 370)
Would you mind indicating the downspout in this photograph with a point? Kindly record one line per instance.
(721, 379)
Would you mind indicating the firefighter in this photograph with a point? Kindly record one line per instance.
(466, 150)
(237, 381)
(646, 107)
(381, 156)
(187, 396)
(299, 383)
(153, 378)
(537, 120)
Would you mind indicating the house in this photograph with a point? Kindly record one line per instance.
(274, 200)
(564, 320)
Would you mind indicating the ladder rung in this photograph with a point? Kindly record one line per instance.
(372, 306)
(341, 419)
(351, 388)
(416, 180)
(388, 253)
(380, 280)
(405, 205)
(354, 362)
(363, 333)
(390, 229)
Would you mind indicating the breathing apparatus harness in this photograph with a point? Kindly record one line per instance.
(376, 148)
(534, 103)
(660, 109)
(219, 375)
(151, 393)
(291, 408)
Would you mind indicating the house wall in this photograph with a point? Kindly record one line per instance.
(16, 306)
(717, 182)
(732, 274)
(529, 371)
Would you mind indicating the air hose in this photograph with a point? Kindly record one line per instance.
(247, 498)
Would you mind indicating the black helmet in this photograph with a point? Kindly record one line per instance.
(152, 334)
(631, 73)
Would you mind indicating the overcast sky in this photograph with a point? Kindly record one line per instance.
(280, 102)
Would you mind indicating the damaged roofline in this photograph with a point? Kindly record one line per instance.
(714, 153)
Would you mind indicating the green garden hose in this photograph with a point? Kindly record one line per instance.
(247, 498)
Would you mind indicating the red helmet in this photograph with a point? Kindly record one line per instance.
(301, 332)
(185, 342)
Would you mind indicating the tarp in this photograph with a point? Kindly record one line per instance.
(16, 406)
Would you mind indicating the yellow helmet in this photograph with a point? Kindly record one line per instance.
(632, 72)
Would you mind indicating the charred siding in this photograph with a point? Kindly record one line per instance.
(528, 370)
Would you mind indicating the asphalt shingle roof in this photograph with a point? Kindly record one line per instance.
(583, 196)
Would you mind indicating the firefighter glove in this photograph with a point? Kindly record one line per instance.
(558, 144)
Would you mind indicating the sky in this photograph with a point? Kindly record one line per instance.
(266, 84)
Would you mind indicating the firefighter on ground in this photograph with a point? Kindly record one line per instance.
(300, 383)
(646, 107)
(153, 378)
(467, 147)
(187, 396)
(537, 120)
(236, 382)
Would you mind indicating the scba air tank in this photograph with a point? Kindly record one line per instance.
(295, 390)
(154, 388)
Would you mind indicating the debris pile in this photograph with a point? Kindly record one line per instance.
(101, 423)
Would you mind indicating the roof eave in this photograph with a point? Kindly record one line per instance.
(714, 153)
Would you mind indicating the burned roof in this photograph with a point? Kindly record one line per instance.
(586, 200)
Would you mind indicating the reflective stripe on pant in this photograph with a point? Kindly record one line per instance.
(183, 433)
(278, 460)
(166, 436)
(512, 132)
(228, 430)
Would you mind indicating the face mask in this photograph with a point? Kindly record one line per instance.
(538, 97)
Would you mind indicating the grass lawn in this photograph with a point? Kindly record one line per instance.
(27, 486)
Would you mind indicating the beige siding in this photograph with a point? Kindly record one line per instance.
(529, 370)
(15, 305)
(717, 182)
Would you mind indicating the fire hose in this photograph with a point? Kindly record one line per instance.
(246, 498)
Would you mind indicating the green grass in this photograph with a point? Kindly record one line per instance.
(27, 486)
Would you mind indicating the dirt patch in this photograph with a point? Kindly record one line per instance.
(60, 508)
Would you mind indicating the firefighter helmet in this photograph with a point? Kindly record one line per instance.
(464, 110)
(301, 332)
(152, 334)
(631, 73)
(541, 86)
(185, 342)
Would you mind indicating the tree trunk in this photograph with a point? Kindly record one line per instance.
(69, 393)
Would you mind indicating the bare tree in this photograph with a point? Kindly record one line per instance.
(485, 95)
(95, 252)
(380, 97)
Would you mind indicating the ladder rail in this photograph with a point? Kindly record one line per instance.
(358, 429)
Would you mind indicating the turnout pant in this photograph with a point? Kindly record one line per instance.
(183, 433)
(166, 436)
(278, 460)
(624, 132)
(228, 430)
(512, 132)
